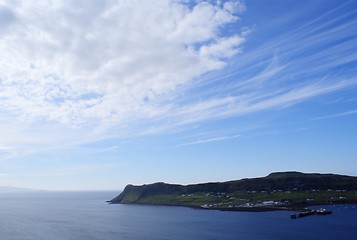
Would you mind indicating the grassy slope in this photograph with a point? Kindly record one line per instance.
(289, 188)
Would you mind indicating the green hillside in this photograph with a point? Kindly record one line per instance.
(282, 190)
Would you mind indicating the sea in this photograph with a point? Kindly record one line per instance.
(87, 216)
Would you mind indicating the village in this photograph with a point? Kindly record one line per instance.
(275, 199)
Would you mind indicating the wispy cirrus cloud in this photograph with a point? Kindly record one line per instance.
(341, 114)
(208, 140)
(312, 60)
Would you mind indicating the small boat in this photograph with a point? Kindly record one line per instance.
(323, 211)
(306, 213)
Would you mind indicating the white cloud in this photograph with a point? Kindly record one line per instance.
(222, 48)
(72, 61)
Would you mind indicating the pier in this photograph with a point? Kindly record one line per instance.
(310, 212)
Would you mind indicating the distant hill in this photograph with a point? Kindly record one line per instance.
(284, 188)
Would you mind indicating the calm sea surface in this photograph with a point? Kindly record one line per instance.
(86, 216)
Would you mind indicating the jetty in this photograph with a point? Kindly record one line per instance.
(309, 212)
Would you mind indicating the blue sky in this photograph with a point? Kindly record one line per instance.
(97, 95)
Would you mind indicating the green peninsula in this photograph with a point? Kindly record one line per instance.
(277, 191)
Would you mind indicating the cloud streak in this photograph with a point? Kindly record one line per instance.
(208, 140)
(341, 114)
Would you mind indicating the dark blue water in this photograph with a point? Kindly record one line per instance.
(86, 216)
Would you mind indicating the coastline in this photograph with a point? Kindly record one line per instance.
(295, 207)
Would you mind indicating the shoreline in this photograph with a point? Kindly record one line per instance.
(296, 207)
